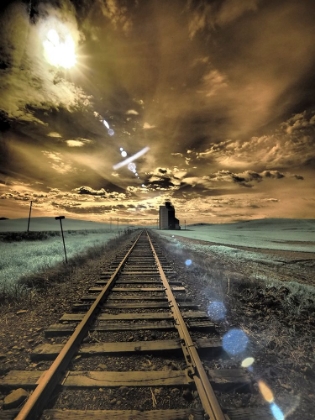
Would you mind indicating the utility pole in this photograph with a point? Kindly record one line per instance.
(63, 239)
(29, 217)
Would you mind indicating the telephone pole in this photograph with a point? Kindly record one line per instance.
(29, 217)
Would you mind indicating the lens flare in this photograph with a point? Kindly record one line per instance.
(269, 397)
(188, 263)
(131, 158)
(265, 392)
(132, 167)
(216, 310)
(235, 341)
(248, 362)
(277, 412)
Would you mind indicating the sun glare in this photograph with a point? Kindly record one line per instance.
(58, 52)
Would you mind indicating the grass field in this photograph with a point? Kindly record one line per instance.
(23, 256)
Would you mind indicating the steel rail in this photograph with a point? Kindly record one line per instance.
(205, 390)
(53, 376)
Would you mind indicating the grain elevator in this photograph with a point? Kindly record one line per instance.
(167, 219)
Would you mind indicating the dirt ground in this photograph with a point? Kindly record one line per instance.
(287, 266)
(279, 324)
(278, 316)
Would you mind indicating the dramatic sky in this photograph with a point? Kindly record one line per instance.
(208, 104)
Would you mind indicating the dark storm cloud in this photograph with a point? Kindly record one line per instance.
(160, 184)
(273, 174)
(164, 179)
(243, 179)
(240, 180)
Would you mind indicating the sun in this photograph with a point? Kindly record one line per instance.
(59, 52)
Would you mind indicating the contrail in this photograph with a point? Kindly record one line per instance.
(131, 158)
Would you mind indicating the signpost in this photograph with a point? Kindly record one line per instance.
(63, 239)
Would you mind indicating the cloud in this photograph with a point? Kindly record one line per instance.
(102, 192)
(248, 86)
(90, 191)
(58, 162)
(272, 200)
(183, 184)
(77, 142)
(291, 145)
(223, 182)
(163, 178)
(160, 183)
(54, 134)
(205, 15)
(233, 9)
(147, 126)
(213, 83)
(29, 82)
(243, 177)
(204, 182)
(133, 189)
(74, 143)
(117, 14)
(273, 174)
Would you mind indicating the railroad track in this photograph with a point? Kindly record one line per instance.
(131, 348)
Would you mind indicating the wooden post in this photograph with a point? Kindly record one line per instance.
(63, 239)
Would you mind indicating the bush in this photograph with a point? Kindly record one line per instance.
(27, 236)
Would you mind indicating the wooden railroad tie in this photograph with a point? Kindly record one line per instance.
(220, 379)
(51, 351)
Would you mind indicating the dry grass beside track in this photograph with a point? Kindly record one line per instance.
(28, 286)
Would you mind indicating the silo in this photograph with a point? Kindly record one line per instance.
(167, 219)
